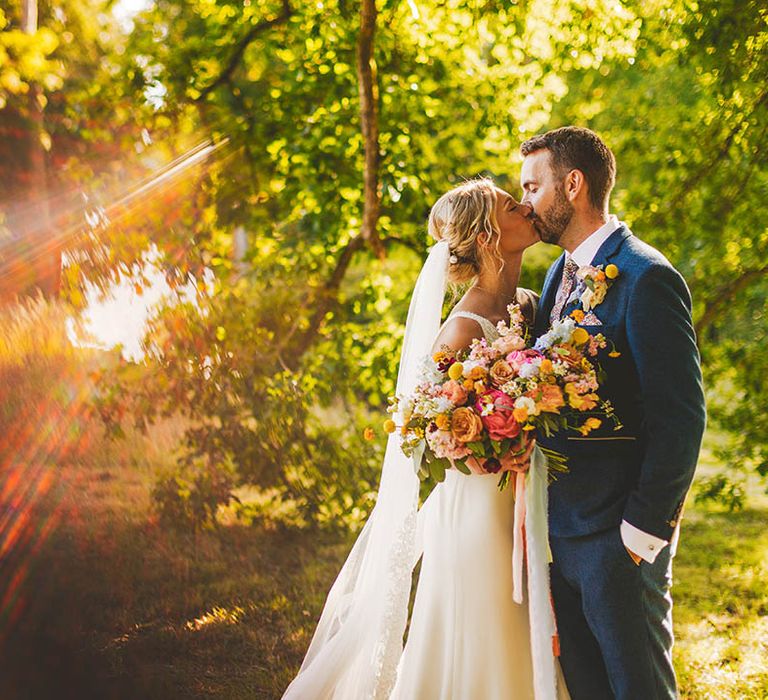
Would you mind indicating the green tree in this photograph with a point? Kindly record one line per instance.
(343, 126)
(688, 120)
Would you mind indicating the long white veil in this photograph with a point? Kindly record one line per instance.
(359, 638)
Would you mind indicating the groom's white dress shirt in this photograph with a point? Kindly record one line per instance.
(643, 544)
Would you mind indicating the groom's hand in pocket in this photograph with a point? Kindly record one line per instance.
(635, 557)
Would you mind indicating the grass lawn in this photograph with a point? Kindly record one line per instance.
(108, 605)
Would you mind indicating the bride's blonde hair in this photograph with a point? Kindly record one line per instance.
(460, 217)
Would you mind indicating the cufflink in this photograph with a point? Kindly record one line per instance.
(651, 547)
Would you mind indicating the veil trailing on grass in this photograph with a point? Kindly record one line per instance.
(359, 639)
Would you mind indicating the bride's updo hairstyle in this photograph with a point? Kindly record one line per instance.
(465, 217)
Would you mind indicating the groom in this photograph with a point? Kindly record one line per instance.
(615, 517)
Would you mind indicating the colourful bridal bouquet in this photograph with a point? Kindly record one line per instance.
(474, 409)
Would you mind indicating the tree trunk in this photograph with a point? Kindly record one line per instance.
(370, 126)
(44, 257)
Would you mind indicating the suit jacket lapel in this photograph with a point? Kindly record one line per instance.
(605, 253)
(611, 246)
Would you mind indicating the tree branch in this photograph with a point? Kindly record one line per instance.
(242, 45)
(724, 296)
(370, 126)
(327, 298)
(324, 300)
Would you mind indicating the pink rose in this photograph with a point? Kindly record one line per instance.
(518, 358)
(500, 422)
(454, 392)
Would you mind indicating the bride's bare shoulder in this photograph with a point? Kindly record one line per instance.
(457, 334)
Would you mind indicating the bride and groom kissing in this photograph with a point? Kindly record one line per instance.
(599, 541)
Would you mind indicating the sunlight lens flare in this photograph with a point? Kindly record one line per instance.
(40, 239)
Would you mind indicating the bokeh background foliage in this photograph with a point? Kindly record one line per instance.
(291, 245)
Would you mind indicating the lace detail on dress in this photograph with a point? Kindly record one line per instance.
(390, 646)
(489, 329)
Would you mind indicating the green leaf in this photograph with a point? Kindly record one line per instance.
(461, 465)
(437, 470)
(478, 449)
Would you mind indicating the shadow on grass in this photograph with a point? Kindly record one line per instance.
(127, 610)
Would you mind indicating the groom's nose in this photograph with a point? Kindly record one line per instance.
(526, 209)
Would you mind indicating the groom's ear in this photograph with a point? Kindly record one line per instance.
(575, 185)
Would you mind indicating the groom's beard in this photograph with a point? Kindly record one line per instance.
(551, 224)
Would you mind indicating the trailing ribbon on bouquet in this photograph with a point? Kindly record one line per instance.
(541, 614)
(519, 540)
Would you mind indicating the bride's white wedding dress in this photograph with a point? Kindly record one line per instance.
(468, 639)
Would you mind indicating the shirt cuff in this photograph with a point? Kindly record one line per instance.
(646, 546)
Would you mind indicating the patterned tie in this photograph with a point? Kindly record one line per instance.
(566, 287)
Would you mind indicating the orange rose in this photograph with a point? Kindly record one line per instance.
(466, 425)
(501, 372)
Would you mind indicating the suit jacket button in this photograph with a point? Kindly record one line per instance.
(673, 523)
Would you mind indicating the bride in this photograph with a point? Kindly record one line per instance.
(473, 633)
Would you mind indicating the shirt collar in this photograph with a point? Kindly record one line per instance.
(586, 250)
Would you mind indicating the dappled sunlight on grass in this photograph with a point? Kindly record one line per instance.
(268, 508)
(216, 616)
(721, 605)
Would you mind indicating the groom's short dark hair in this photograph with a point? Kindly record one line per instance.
(574, 147)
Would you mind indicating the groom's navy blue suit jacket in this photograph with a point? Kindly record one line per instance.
(641, 472)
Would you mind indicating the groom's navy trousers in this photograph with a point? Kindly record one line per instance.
(614, 617)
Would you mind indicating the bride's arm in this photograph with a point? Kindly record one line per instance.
(457, 334)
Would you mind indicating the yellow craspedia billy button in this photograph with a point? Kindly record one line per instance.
(389, 425)
(580, 336)
(611, 272)
(455, 371)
